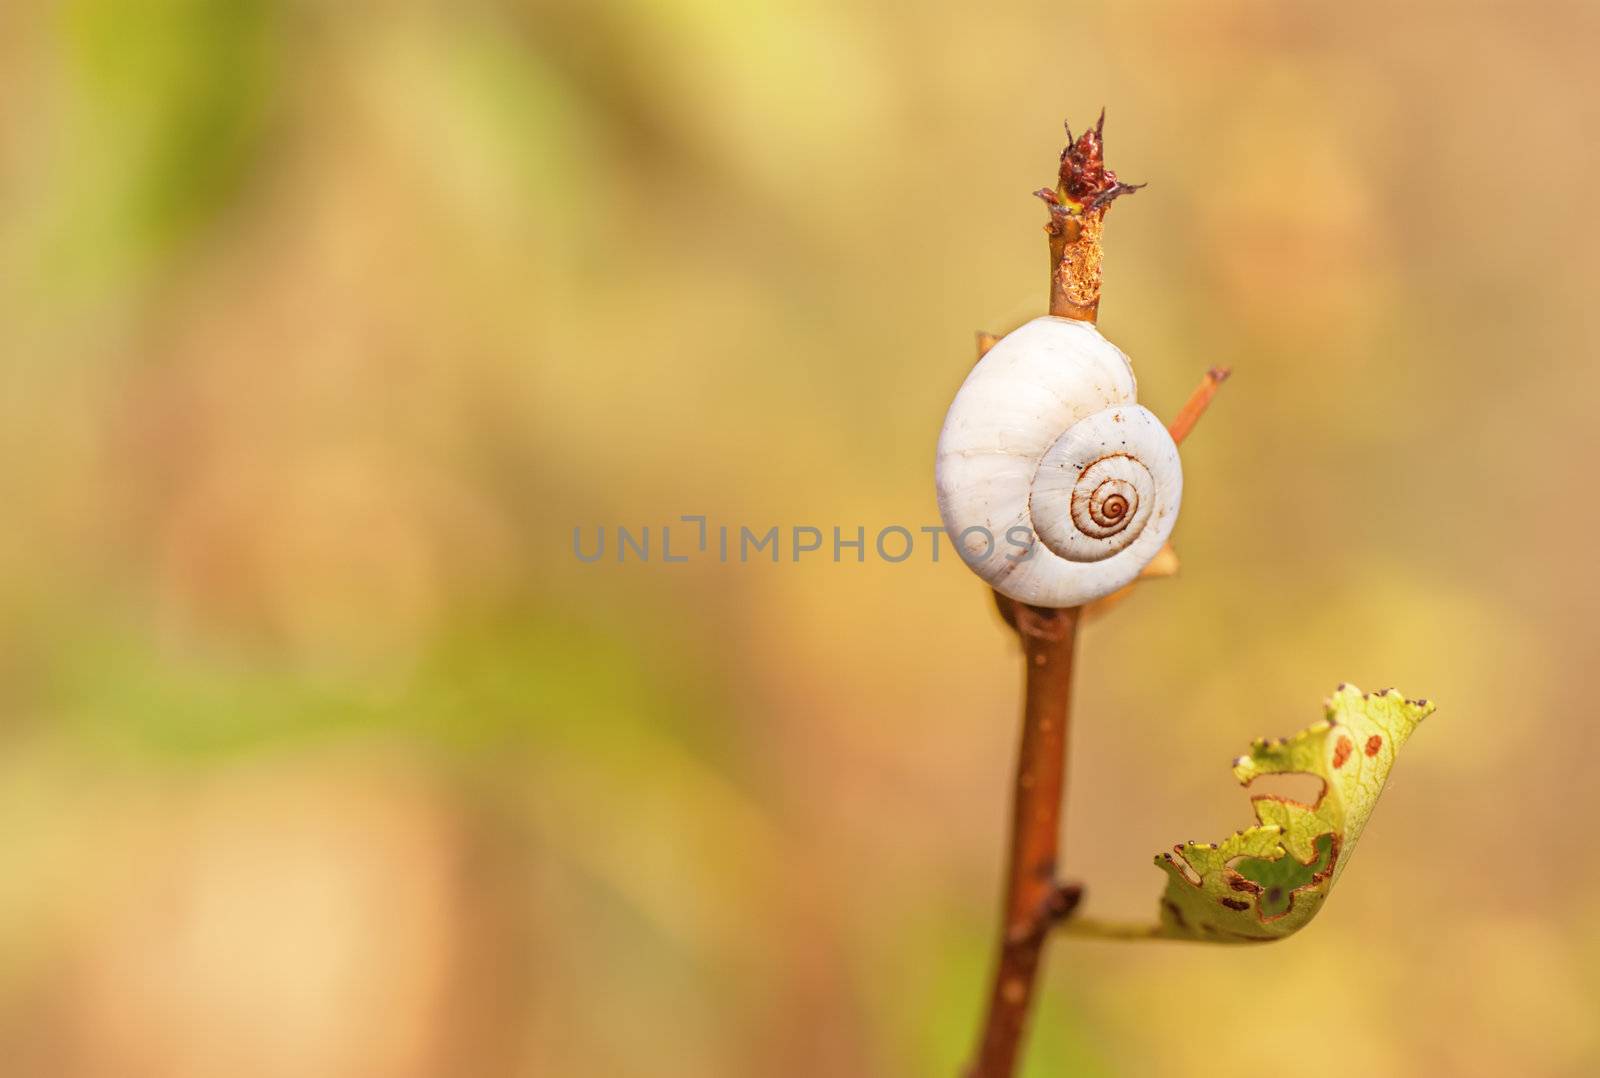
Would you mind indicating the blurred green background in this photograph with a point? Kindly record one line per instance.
(325, 324)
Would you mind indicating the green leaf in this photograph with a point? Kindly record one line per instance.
(1268, 881)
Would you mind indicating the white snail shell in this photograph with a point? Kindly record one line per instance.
(1056, 487)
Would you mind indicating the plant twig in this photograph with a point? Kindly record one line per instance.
(1196, 405)
(1034, 900)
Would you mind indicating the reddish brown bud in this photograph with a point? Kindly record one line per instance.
(1085, 182)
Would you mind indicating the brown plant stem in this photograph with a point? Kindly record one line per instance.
(1034, 900)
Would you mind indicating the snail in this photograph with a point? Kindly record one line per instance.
(1056, 486)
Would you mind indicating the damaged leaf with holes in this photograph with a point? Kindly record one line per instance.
(1267, 881)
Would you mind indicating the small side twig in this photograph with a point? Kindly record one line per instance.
(1166, 562)
(1196, 405)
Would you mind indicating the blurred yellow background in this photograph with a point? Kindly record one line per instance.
(325, 325)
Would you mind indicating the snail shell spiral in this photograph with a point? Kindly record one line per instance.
(1055, 485)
